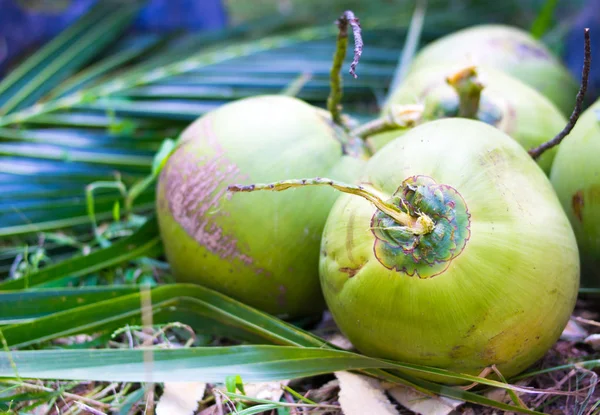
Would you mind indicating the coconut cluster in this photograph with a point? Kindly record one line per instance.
(449, 247)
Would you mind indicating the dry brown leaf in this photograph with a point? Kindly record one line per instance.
(593, 341)
(325, 392)
(497, 394)
(423, 404)
(272, 391)
(42, 409)
(339, 340)
(573, 332)
(361, 395)
(180, 398)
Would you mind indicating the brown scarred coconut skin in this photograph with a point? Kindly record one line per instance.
(263, 248)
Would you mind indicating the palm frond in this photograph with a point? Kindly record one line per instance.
(102, 127)
(62, 57)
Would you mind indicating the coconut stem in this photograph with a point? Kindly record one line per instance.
(335, 95)
(468, 87)
(398, 117)
(420, 225)
(587, 63)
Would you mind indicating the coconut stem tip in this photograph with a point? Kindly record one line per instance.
(468, 87)
(397, 117)
(348, 18)
(335, 95)
(419, 225)
(587, 63)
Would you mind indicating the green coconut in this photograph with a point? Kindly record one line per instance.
(262, 250)
(460, 258)
(506, 48)
(576, 178)
(488, 95)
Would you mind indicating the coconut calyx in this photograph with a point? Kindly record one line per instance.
(418, 230)
(428, 254)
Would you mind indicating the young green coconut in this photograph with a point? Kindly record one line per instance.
(262, 250)
(458, 255)
(480, 93)
(576, 178)
(508, 49)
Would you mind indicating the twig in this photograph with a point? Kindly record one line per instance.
(593, 383)
(105, 391)
(398, 117)
(558, 385)
(65, 394)
(88, 409)
(587, 62)
(513, 395)
(149, 399)
(288, 397)
(587, 321)
(147, 319)
(335, 95)
(483, 374)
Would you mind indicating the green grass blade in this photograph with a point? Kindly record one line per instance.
(543, 21)
(258, 409)
(48, 152)
(587, 364)
(144, 241)
(21, 306)
(229, 315)
(466, 396)
(256, 363)
(208, 311)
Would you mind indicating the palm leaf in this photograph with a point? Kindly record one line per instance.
(106, 309)
(212, 364)
(133, 51)
(175, 94)
(62, 57)
(34, 65)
